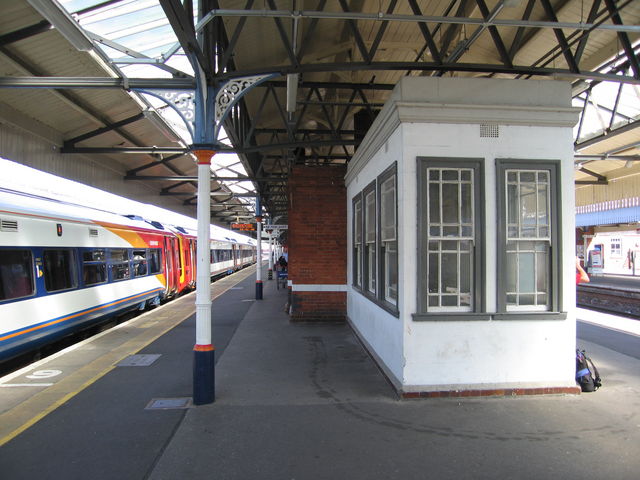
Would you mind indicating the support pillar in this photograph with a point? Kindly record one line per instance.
(204, 352)
(259, 250)
(270, 274)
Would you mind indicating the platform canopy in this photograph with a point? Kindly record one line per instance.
(116, 72)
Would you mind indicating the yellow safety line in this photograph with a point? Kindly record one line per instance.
(18, 419)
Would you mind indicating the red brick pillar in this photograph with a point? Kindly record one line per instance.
(317, 241)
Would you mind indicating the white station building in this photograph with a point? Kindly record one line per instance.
(460, 231)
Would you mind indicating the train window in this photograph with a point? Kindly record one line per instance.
(16, 274)
(93, 274)
(119, 255)
(59, 270)
(139, 263)
(119, 264)
(222, 255)
(94, 268)
(155, 263)
(93, 256)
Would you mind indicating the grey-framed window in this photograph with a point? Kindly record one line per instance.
(357, 241)
(450, 236)
(388, 241)
(528, 236)
(369, 239)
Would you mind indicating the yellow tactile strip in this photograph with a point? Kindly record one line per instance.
(147, 329)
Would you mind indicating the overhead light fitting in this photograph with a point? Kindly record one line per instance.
(60, 19)
(292, 92)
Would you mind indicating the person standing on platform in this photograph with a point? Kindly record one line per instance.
(581, 275)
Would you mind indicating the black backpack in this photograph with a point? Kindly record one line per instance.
(586, 373)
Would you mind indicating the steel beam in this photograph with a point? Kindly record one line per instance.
(112, 126)
(606, 135)
(127, 150)
(624, 38)
(24, 33)
(417, 18)
(98, 82)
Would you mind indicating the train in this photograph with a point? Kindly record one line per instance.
(66, 267)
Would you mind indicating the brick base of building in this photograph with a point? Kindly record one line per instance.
(500, 392)
(318, 306)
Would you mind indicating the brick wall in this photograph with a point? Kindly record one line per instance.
(317, 241)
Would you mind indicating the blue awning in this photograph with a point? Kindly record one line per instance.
(609, 217)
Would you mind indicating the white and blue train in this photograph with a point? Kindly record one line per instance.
(65, 267)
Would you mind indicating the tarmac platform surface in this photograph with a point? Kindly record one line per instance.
(305, 401)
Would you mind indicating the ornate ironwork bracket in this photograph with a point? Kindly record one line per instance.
(181, 101)
(231, 92)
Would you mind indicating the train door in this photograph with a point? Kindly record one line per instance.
(234, 253)
(192, 256)
(177, 270)
(170, 265)
(179, 246)
(186, 260)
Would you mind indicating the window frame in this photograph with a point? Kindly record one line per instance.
(31, 275)
(114, 264)
(153, 255)
(72, 271)
(478, 310)
(392, 307)
(367, 277)
(94, 263)
(615, 252)
(137, 262)
(554, 295)
(356, 247)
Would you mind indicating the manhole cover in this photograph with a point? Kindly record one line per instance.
(169, 403)
(142, 360)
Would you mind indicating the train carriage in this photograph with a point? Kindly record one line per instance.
(65, 267)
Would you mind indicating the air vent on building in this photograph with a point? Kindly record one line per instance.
(8, 225)
(93, 232)
(489, 131)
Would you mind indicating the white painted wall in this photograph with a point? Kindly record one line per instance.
(442, 355)
(381, 330)
(450, 355)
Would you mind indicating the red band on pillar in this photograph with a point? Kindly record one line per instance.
(204, 156)
(259, 219)
(203, 348)
(258, 281)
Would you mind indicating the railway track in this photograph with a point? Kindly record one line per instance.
(609, 299)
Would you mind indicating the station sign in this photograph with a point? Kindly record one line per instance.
(245, 227)
(276, 227)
